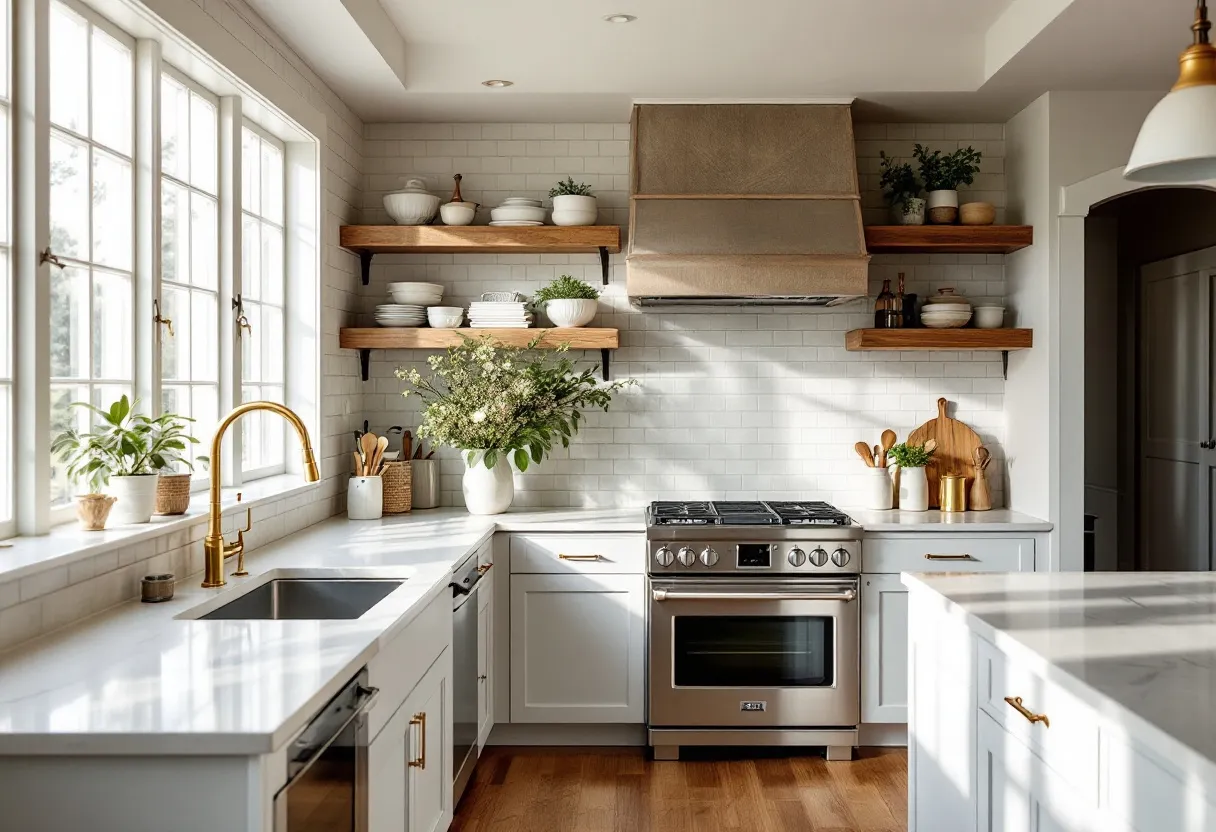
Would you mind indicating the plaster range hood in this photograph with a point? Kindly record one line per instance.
(745, 204)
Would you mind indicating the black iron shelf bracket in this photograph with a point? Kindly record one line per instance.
(365, 362)
(365, 266)
(604, 263)
(1005, 364)
(604, 360)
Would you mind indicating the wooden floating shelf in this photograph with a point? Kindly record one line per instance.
(1002, 340)
(367, 339)
(947, 239)
(370, 240)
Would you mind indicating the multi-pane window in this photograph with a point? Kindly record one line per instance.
(91, 184)
(263, 280)
(6, 325)
(189, 294)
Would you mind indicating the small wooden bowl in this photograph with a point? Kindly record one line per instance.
(977, 213)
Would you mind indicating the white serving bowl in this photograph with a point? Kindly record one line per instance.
(517, 213)
(412, 205)
(945, 321)
(568, 312)
(989, 317)
(434, 287)
(457, 213)
(522, 200)
(445, 317)
(566, 216)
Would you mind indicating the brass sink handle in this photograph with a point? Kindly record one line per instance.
(241, 572)
(1015, 702)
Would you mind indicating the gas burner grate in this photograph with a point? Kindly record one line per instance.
(745, 513)
(800, 513)
(667, 513)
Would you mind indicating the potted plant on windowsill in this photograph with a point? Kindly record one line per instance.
(567, 301)
(126, 451)
(902, 191)
(500, 405)
(573, 203)
(170, 445)
(942, 173)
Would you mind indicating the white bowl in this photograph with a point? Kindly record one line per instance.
(945, 321)
(408, 299)
(567, 312)
(434, 287)
(412, 205)
(517, 213)
(522, 200)
(457, 213)
(989, 317)
(568, 217)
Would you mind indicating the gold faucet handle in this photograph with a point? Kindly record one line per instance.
(239, 547)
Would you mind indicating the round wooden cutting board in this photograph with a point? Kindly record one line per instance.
(955, 454)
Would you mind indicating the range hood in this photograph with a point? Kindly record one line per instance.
(738, 204)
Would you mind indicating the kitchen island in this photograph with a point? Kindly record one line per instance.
(1062, 701)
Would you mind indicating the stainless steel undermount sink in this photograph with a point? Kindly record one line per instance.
(306, 599)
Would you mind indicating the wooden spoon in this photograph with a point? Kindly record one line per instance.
(367, 443)
(863, 451)
(358, 463)
(888, 442)
(407, 445)
(931, 445)
(378, 456)
(982, 458)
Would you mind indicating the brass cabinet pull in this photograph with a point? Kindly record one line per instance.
(484, 568)
(578, 557)
(949, 557)
(1015, 702)
(420, 719)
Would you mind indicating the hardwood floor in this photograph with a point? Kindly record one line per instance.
(621, 790)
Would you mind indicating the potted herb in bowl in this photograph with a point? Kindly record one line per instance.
(567, 301)
(125, 450)
(902, 190)
(913, 481)
(942, 173)
(501, 405)
(573, 203)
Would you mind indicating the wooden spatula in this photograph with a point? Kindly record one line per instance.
(888, 442)
(863, 451)
(378, 456)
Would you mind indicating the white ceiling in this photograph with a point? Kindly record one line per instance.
(930, 59)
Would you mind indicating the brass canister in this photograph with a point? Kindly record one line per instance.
(952, 492)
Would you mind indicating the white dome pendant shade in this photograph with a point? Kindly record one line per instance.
(1177, 142)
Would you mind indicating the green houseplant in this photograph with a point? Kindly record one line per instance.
(902, 191)
(913, 482)
(568, 301)
(499, 405)
(573, 203)
(125, 451)
(942, 173)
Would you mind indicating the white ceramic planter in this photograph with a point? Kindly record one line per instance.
(567, 312)
(136, 499)
(365, 498)
(909, 212)
(913, 489)
(574, 210)
(943, 207)
(879, 490)
(487, 490)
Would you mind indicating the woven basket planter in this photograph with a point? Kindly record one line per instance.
(172, 494)
(398, 487)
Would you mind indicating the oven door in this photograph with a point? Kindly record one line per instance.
(754, 654)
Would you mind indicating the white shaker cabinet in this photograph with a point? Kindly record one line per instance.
(578, 644)
(410, 760)
(485, 659)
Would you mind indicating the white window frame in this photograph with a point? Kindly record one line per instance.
(65, 513)
(292, 121)
(8, 500)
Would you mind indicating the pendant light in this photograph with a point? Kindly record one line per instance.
(1177, 142)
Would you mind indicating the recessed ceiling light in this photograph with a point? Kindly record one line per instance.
(619, 18)
(497, 82)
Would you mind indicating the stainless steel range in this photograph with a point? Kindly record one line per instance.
(754, 625)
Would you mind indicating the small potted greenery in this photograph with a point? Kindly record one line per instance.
(567, 301)
(573, 203)
(125, 450)
(913, 481)
(942, 173)
(902, 190)
(173, 483)
(501, 405)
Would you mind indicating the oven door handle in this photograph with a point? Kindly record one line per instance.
(845, 595)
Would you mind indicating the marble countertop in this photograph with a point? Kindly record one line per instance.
(996, 520)
(138, 680)
(1140, 647)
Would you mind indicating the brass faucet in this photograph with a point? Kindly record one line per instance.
(215, 550)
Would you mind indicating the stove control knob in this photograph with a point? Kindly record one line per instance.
(841, 557)
(796, 557)
(819, 557)
(664, 557)
(686, 556)
(709, 557)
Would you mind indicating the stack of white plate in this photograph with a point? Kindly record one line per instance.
(489, 314)
(416, 294)
(518, 210)
(400, 314)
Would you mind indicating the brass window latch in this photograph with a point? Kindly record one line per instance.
(48, 256)
(167, 323)
(242, 322)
